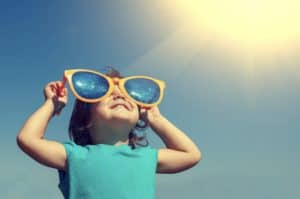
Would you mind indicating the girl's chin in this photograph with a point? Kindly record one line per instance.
(125, 117)
(121, 123)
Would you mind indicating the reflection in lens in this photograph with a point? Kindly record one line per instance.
(143, 90)
(89, 85)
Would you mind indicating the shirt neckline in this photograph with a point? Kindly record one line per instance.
(113, 146)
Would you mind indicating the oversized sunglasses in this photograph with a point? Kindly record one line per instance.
(92, 86)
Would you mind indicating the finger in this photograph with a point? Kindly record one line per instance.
(58, 89)
(145, 109)
(52, 87)
(63, 92)
(52, 84)
(142, 110)
(59, 83)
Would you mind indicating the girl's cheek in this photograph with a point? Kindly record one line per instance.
(98, 110)
(137, 112)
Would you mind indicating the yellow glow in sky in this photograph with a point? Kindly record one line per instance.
(254, 26)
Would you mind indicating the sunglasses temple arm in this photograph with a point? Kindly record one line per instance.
(60, 106)
(63, 82)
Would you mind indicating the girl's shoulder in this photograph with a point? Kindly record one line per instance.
(72, 148)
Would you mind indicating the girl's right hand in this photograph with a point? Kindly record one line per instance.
(58, 95)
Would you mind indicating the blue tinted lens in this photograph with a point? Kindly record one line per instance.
(89, 85)
(143, 90)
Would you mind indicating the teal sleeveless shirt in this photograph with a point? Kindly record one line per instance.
(105, 171)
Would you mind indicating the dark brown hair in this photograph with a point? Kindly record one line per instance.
(80, 122)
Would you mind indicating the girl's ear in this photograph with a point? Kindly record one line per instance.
(143, 121)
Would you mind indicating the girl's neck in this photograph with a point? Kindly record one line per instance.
(115, 142)
(108, 135)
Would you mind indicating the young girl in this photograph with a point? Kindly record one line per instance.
(104, 158)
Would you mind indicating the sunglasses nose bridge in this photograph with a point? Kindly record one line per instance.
(116, 89)
(115, 80)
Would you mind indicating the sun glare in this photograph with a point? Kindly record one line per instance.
(257, 26)
(249, 39)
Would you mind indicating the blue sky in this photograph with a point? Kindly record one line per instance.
(243, 117)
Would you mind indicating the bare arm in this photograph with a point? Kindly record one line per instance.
(31, 136)
(181, 152)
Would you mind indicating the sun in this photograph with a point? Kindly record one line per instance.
(256, 26)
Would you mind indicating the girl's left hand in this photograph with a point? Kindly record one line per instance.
(150, 114)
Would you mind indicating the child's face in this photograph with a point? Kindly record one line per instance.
(115, 110)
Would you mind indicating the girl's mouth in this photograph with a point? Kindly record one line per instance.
(119, 105)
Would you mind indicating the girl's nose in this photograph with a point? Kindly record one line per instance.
(117, 92)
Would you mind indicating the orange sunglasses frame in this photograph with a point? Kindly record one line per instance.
(112, 81)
